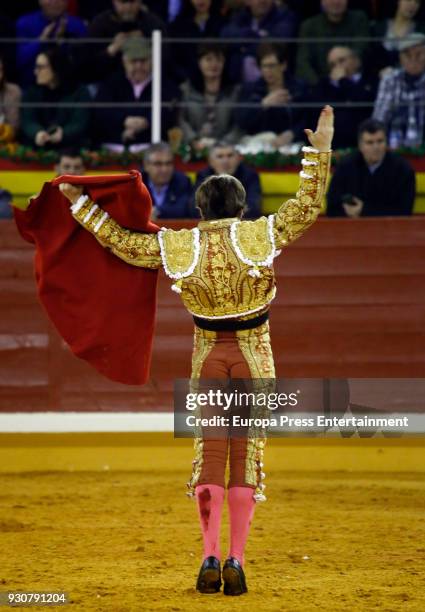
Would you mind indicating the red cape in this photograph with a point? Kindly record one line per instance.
(102, 307)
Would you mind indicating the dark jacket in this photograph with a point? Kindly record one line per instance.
(97, 63)
(109, 122)
(73, 120)
(347, 118)
(274, 118)
(178, 201)
(249, 179)
(389, 191)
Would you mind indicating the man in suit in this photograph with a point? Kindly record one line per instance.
(171, 191)
(373, 181)
(131, 126)
(225, 159)
(346, 83)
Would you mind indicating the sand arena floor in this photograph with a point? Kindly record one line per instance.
(130, 541)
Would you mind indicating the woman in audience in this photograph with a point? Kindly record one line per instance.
(206, 113)
(10, 99)
(55, 126)
(274, 121)
(384, 55)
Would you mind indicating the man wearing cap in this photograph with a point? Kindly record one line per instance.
(126, 19)
(131, 126)
(401, 95)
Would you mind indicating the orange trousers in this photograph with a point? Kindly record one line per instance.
(223, 355)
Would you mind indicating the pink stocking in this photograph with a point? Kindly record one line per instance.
(210, 498)
(241, 510)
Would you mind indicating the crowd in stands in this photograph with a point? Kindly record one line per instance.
(83, 71)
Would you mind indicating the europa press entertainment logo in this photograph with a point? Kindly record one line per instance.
(280, 407)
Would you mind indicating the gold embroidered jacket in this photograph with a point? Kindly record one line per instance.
(223, 268)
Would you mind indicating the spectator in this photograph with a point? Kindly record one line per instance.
(55, 126)
(345, 84)
(171, 191)
(50, 24)
(273, 93)
(225, 159)
(70, 162)
(259, 19)
(373, 181)
(206, 114)
(401, 95)
(10, 100)
(197, 19)
(127, 19)
(385, 54)
(131, 126)
(336, 21)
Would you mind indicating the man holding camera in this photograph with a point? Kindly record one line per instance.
(373, 181)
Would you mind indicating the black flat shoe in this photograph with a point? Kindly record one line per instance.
(234, 577)
(209, 579)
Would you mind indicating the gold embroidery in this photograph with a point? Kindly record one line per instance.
(221, 284)
(198, 445)
(135, 248)
(297, 214)
(203, 343)
(179, 247)
(255, 347)
(253, 239)
(217, 223)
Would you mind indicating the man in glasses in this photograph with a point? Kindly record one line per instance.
(171, 191)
